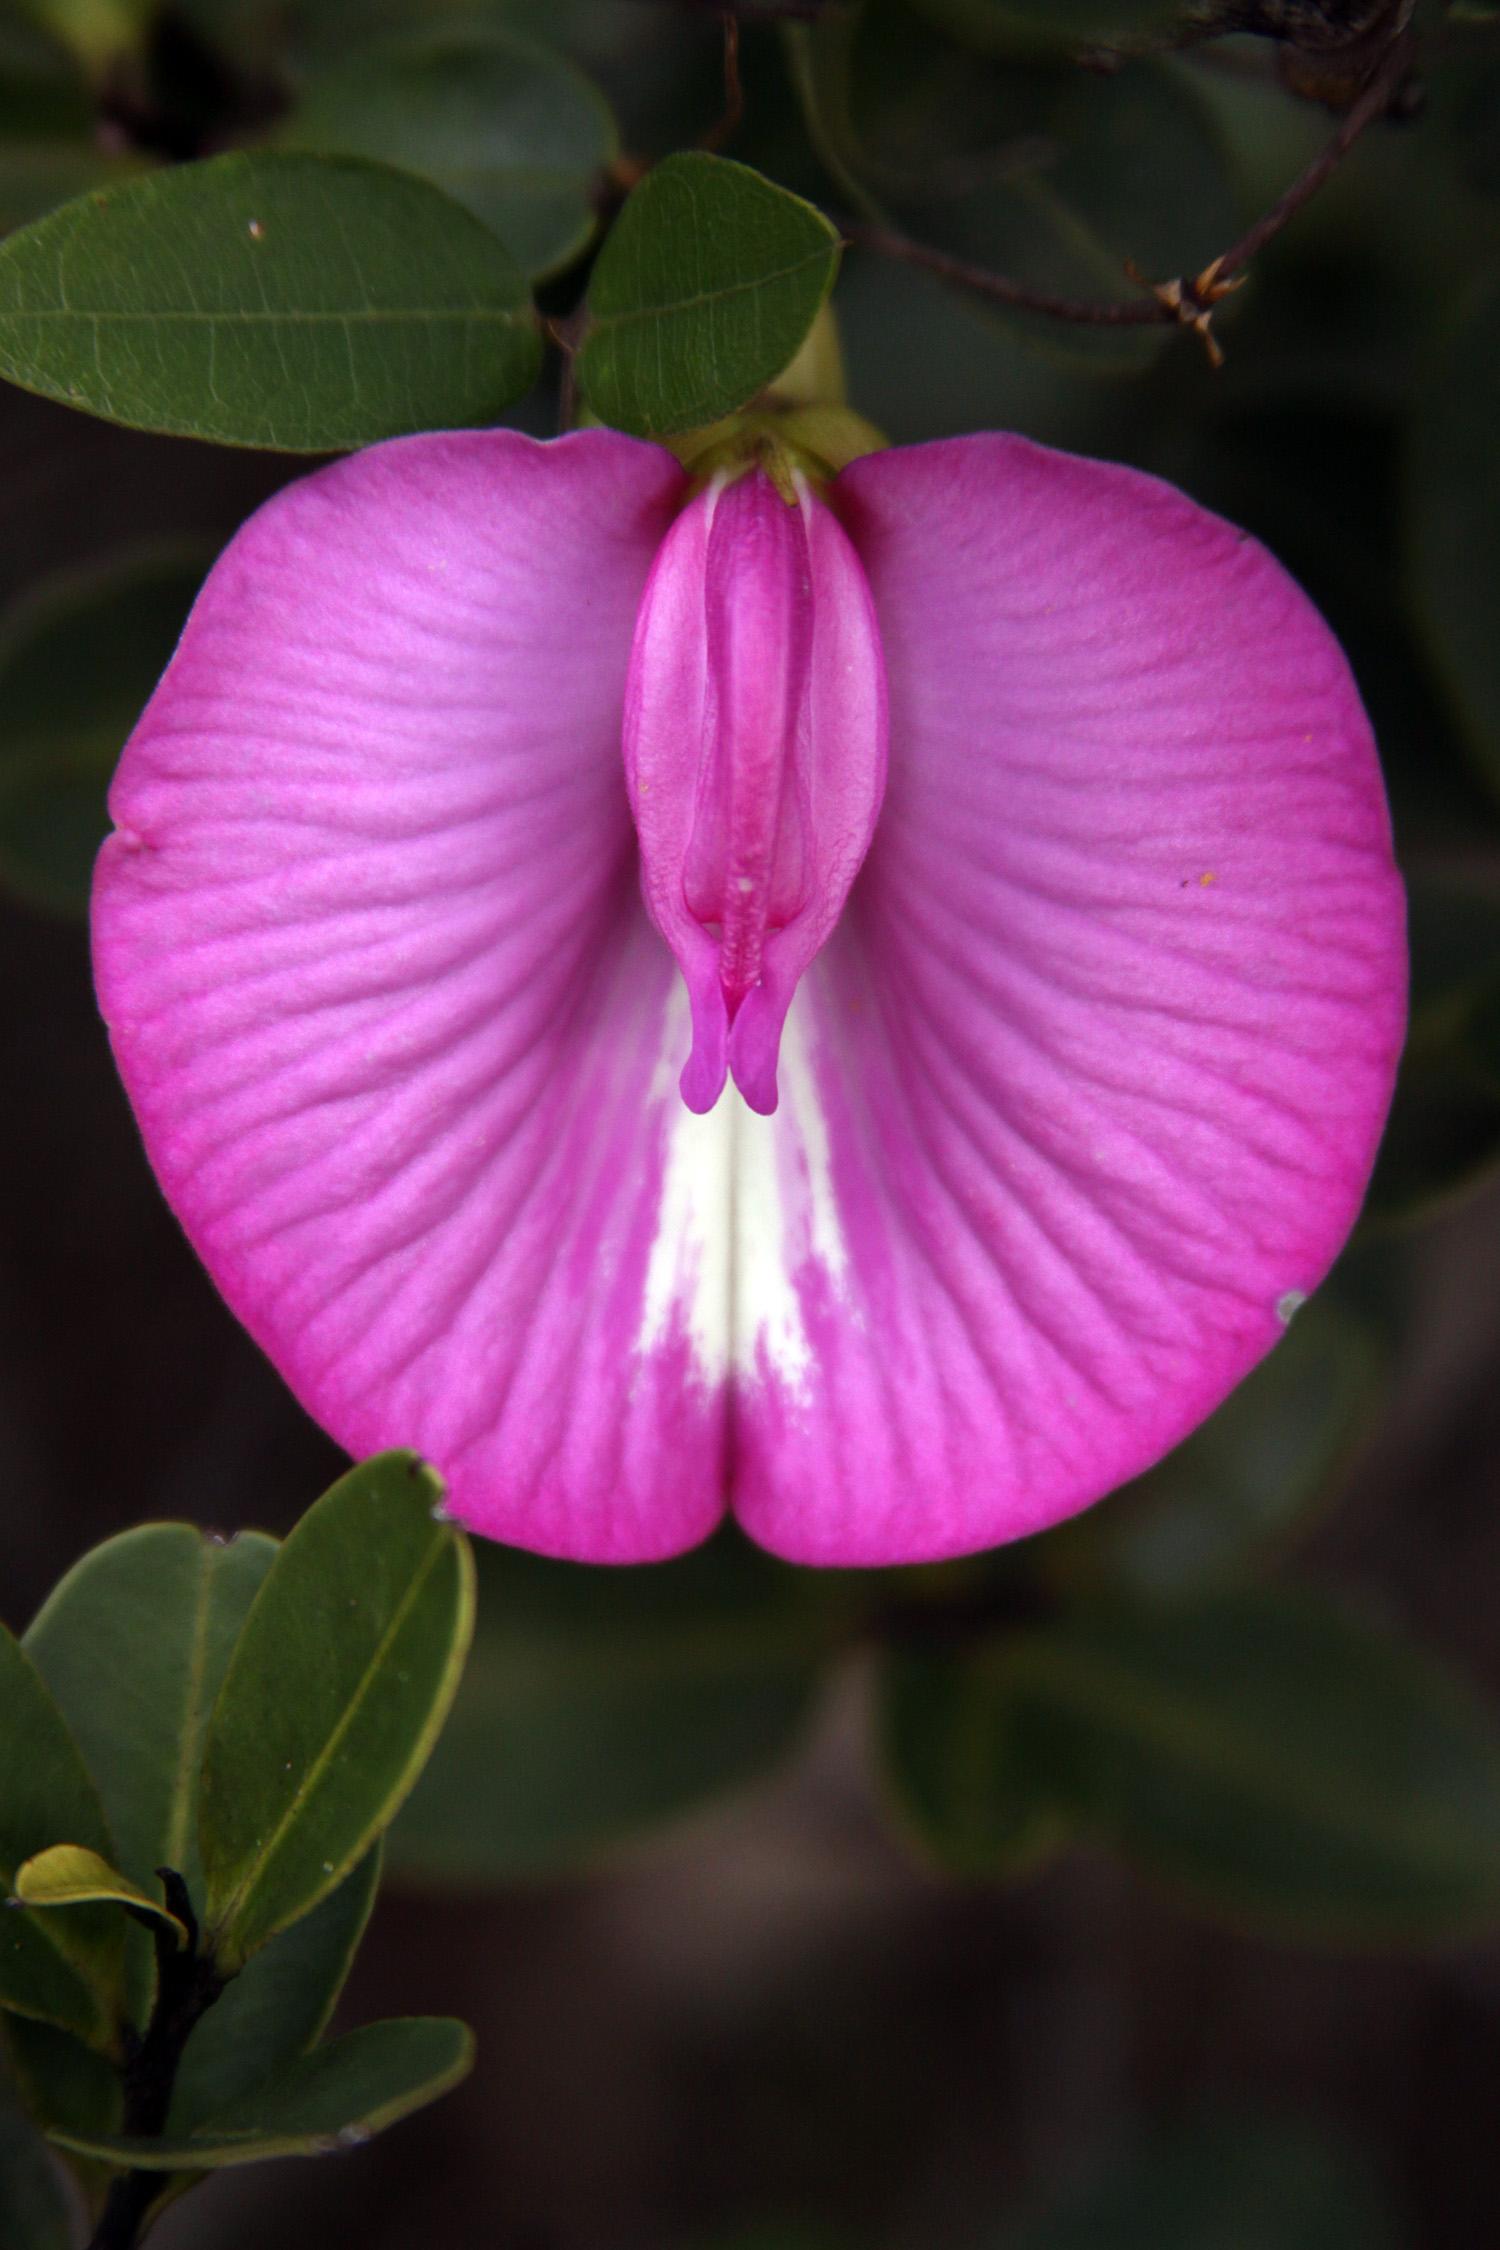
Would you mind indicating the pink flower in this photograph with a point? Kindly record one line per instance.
(1078, 1015)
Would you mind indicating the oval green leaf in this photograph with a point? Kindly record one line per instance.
(706, 286)
(1272, 1756)
(65, 1969)
(598, 1704)
(158, 1609)
(67, 1875)
(78, 658)
(335, 2098)
(515, 134)
(334, 1696)
(304, 303)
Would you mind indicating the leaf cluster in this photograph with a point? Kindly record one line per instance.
(201, 1746)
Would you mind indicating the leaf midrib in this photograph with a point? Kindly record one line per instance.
(257, 1866)
(606, 322)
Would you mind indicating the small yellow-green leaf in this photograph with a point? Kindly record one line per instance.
(335, 2098)
(68, 1875)
(333, 1698)
(706, 286)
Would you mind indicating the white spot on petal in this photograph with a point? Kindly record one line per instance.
(1290, 1305)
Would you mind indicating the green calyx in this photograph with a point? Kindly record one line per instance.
(814, 442)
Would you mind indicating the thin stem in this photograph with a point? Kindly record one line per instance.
(187, 1985)
(734, 92)
(1185, 301)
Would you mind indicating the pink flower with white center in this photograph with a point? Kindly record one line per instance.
(895, 1102)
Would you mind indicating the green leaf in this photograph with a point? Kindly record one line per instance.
(66, 1969)
(334, 1696)
(706, 286)
(334, 2098)
(1454, 523)
(33, 2209)
(133, 1643)
(278, 2006)
(1219, 2182)
(64, 2085)
(600, 1703)
(305, 303)
(37, 173)
(1244, 1482)
(66, 1875)
(78, 659)
(515, 134)
(1267, 1754)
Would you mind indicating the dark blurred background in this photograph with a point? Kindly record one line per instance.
(765, 2024)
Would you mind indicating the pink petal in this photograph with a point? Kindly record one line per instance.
(399, 1036)
(1082, 1097)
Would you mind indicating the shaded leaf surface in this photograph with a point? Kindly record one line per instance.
(336, 2097)
(515, 134)
(277, 2006)
(300, 302)
(1270, 1755)
(33, 2210)
(65, 1969)
(333, 1698)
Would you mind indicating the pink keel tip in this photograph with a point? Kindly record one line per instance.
(755, 758)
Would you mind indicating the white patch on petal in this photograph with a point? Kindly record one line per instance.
(785, 1214)
(687, 1277)
(746, 1202)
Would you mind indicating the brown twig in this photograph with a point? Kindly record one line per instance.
(1188, 302)
(734, 92)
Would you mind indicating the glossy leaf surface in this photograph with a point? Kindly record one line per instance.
(333, 1698)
